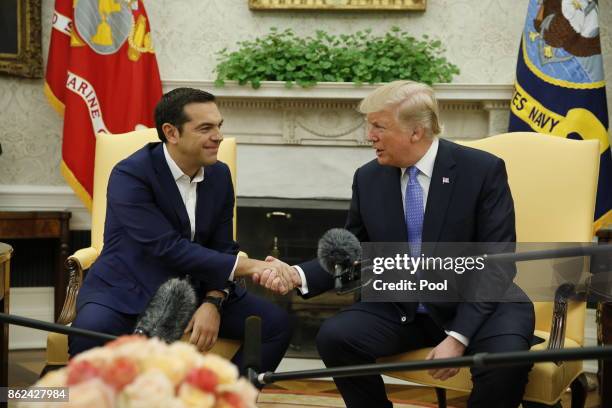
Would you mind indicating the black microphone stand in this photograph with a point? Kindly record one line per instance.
(476, 360)
(53, 327)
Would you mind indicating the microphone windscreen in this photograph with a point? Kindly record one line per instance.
(169, 311)
(252, 343)
(338, 246)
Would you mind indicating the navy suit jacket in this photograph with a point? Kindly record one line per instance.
(476, 206)
(147, 233)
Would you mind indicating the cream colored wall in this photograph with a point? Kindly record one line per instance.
(481, 37)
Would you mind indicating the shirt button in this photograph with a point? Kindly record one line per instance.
(403, 318)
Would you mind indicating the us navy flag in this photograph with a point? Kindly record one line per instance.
(560, 88)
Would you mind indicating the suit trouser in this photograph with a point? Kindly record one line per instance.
(359, 337)
(276, 327)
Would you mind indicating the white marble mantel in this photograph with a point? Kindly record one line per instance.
(340, 90)
(306, 143)
(325, 115)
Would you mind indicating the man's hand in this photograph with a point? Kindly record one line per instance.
(282, 275)
(205, 325)
(449, 347)
(255, 269)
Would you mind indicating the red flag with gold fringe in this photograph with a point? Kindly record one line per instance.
(102, 75)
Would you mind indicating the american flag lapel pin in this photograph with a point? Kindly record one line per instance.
(445, 180)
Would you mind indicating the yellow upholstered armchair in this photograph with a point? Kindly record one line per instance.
(110, 149)
(553, 182)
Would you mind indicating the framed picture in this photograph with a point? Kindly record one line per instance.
(20, 38)
(398, 5)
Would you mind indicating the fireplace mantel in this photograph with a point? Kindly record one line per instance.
(326, 114)
(340, 90)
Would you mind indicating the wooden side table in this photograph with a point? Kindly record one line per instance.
(5, 285)
(42, 224)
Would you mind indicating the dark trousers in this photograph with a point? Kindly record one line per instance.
(358, 337)
(276, 327)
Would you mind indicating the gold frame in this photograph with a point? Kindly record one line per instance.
(27, 62)
(382, 5)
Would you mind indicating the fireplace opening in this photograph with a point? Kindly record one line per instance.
(290, 230)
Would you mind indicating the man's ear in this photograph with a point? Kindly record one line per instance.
(171, 133)
(418, 133)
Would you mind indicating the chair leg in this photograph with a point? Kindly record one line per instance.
(441, 395)
(580, 388)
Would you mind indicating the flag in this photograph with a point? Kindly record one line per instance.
(102, 76)
(560, 87)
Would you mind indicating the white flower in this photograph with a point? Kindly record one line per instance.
(244, 388)
(187, 353)
(193, 397)
(225, 370)
(149, 390)
(55, 378)
(98, 356)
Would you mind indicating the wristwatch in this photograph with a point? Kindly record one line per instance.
(217, 301)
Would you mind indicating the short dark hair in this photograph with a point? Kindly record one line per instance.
(169, 109)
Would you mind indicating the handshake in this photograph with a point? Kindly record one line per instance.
(277, 276)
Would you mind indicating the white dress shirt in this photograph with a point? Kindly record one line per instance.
(425, 166)
(188, 188)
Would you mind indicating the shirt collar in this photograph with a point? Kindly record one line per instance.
(426, 163)
(176, 171)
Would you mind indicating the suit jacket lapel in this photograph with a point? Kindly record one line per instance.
(170, 191)
(440, 193)
(392, 194)
(204, 204)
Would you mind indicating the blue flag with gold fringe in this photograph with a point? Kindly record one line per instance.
(560, 87)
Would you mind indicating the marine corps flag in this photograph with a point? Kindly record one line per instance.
(560, 88)
(102, 76)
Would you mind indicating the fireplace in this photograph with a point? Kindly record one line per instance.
(290, 229)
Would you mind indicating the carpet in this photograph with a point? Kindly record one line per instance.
(298, 399)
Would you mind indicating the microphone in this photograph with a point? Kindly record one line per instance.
(338, 252)
(169, 311)
(252, 347)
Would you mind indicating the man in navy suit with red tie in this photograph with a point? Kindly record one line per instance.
(169, 214)
(422, 189)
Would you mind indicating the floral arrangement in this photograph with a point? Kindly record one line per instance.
(136, 372)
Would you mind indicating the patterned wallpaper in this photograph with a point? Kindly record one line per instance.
(481, 38)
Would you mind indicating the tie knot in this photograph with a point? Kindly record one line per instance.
(413, 171)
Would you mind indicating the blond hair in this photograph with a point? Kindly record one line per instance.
(414, 104)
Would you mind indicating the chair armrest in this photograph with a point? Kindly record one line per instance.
(75, 265)
(85, 257)
(559, 317)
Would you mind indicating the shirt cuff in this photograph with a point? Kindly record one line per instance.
(459, 337)
(304, 288)
(231, 276)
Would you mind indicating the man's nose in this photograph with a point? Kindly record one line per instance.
(372, 136)
(217, 136)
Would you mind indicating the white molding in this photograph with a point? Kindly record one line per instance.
(339, 90)
(45, 198)
(35, 303)
(590, 338)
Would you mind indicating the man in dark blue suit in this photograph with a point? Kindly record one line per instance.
(422, 189)
(169, 214)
